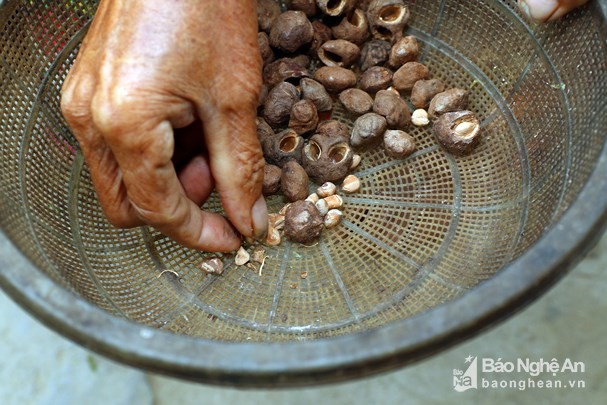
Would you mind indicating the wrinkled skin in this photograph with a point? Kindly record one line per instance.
(147, 67)
(548, 10)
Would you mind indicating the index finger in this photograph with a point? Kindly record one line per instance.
(144, 156)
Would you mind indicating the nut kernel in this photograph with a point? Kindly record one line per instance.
(351, 184)
(420, 118)
(313, 198)
(334, 201)
(212, 266)
(466, 129)
(356, 160)
(273, 237)
(326, 190)
(333, 218)
(322, 206)
(242, 257)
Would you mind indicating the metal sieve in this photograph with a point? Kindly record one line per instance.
(434, 249)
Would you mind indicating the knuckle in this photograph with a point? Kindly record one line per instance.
(76, 102)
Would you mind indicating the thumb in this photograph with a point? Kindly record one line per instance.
(548, 10)
(237, 165)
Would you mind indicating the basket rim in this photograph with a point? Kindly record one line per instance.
(333, 359)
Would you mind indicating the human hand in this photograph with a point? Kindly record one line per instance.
(147, 67)
(548, 10)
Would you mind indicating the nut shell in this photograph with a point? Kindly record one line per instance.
(390, 105)
(445, 130)
(448, 101)
(356, 101)
(387, 19)
(284, 69)
(410, 73)
(291, 30)
(374, 53)
(404, 51)
(335, 79)
(285, 146)
(354, 28)
(327, 159)
(374, 79)
(304, 117)
(424, 91)
(303, 222)
(339, 52)
(294, 182)
(271, 180)
(336, 8)
(279, 103)
(368, 130)
(322, 34)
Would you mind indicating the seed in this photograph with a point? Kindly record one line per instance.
(323, 207)
(326, 190)
(449, 101)
(368, 130)
(351, 184)
(291, 31)
(335, 79)
(420, 118)
(334, 201)
(466, 129)
(405, 50)
(259, 255)
(242, 257)
(399, 144)
(356, 160)
(212, 266)
(424, 91)
(333, 218)
(303, 222)
(327, 158)
(279, 103)
(313, 198)
(410, 73)
(304, 275)
(374, 79)
(294, 181)
(271, 179)
(356, 101)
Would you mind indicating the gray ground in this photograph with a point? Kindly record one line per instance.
(40, 367)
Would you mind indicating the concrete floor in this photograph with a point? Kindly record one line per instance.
(40, 367)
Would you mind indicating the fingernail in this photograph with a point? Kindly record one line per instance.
(259, 213)
(538, 10)
(522, 4)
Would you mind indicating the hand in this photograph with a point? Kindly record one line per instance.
(147, 67)
(548, 10)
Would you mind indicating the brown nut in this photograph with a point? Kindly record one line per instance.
(303, 222)
(374, 79)
(308, 7)
(291, 30)
(368, 130)
(410, 73)
(304, 117)
(336, 8)
(264, 130)
(458, 132)
(404, 51)
(263, 94)
(448, 101)
(316, 93)
(271, 179)
(284, 70)
(267, 54)
(267, 12)
(374, 53)
(285, 146)
(387, 19)
(327, 159)
(398, 144)
(356, 101)
(294, 181)
(424, 91)
(390, 105)
(303, 60)
(279, 103)
(322, 34)
(339, 52)
(334, 129)
(335, 79)
(353, 28)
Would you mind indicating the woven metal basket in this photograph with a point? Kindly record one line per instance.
(434, 249)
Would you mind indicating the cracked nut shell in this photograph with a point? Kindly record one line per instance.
(284, 70)
(327, 159)
(390, 105)
(339, 52)
(308, 7)
(336, 8)
(294, 181)
(291, 30)
(398, 144)
(368, 130)
(458, 132)
(322, 34)
(374, 79)
(303, 222)
(286, 145)
(356, 101)
(279, 103)
(353, 28)
(335, 79)
(304, 117)
(448, 101)
(410, 73)
(388, 19)
(424, 91)
(271, 179)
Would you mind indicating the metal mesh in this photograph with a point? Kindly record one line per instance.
(422, 231)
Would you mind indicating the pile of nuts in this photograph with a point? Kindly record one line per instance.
(364, 62)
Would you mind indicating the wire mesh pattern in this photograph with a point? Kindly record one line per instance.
(421, 232)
